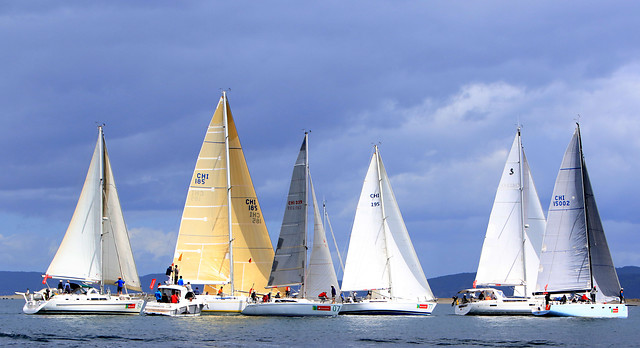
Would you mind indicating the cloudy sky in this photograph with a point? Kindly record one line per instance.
(440, 85)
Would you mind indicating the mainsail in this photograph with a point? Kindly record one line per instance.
(381, 255)
(511, 249)
(223, 237)
(575, 254)
(289, 264)
(96, 246)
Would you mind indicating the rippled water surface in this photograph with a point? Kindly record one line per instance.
(443, 328)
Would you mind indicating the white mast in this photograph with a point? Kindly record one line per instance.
(229, 208)
(102, 218)
(306, 213)
(522, 224)
(384, 217)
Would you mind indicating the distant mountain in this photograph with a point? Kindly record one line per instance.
(443, 287)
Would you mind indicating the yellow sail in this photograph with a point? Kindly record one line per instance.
(202, 250)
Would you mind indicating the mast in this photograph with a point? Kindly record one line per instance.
(522, 224)
(306, 214)
(102, 217)
(384, 217)
(229, 208)
(584, 202)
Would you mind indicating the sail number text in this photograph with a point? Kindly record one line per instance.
(254, 214)
(559, 201)
(295, 205)
(375, 196)
(201, 178)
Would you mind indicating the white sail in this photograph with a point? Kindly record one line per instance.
(117, 256)
(291, 252)
(510, 252)
(366, 263)
(79, 256)
(321, 274)
(381, 255)
(96, 246)
(575, 255)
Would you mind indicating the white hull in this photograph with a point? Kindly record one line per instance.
(181, 309)
(217, 304)
(583, 310)
(293, 308)
(388, 307)
(498, 307)
(84, 304)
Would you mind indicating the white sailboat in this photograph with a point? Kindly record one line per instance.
(511, 249)
(575, 257)
(381, 258)
(223, 240)
(290, 262)
(95, 249)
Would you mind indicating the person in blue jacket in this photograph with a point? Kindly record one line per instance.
(119, 283)
(158, 294)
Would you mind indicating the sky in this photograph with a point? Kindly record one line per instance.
(440, 85)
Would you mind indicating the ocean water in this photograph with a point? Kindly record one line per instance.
(442, 328)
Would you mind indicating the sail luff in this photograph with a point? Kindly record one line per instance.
(522, 213)
(385, 227)
(229, 203)
(306, 214)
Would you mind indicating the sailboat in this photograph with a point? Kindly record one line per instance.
(290, 262)
(575, 263)
(511, 250)
(95, 249)
(223, 239)
(381, 258)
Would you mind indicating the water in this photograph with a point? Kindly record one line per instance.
(443, 328)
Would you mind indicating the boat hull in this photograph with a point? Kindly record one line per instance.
(217, 304)
(382, 307)
(188, 309)
(83, 304)
(293, 309)
(583, 310)
(498, 307)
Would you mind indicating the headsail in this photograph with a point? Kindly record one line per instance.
(321, 274)
(381, 255)
(117, 256)
(202, 248)
(511, 248)
(575, 255)
(291, 252)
